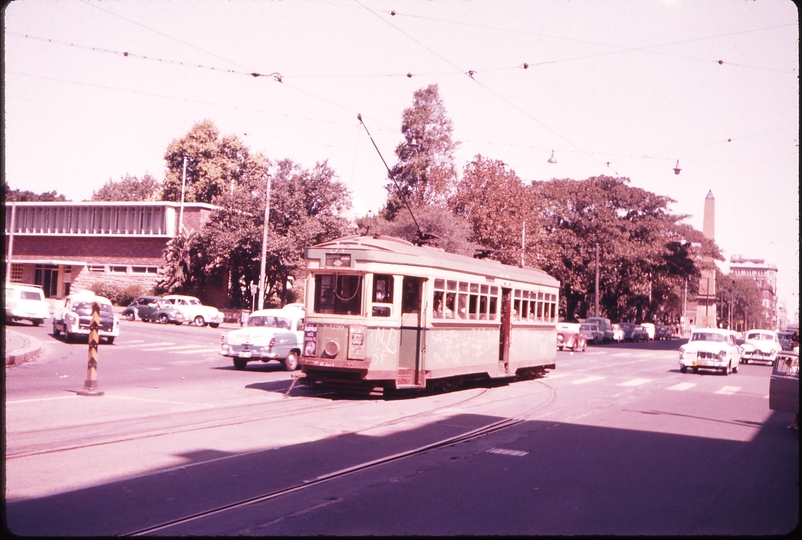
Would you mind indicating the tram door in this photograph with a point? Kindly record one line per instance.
(504, 337)
(411, 347)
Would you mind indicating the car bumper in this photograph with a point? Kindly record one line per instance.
(252, 354)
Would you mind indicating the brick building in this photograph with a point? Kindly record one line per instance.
(69, 246)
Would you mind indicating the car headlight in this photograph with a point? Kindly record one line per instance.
(560, 338)
(722, 355)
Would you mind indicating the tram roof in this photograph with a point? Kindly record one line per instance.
(389, 249)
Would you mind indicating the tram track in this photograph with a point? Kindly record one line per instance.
(500, 425)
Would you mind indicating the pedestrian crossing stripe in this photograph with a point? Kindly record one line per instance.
(507, 452)
(588, 379)
(728, 390)
(682, 386)
(197, 351)
(635, 382)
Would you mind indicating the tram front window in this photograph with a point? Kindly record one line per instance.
(339, 294)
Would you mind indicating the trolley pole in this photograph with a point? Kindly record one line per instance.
(90, 386)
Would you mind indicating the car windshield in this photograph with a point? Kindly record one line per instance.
(268, 321)
(30, 295)
(192, 302)
(85, 308)
(708, 336)
(758, 336)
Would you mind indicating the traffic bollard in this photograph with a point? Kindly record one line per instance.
(90, 386)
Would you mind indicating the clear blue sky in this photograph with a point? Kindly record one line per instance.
(638, 84)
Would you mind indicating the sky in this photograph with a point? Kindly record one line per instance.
(95, 90)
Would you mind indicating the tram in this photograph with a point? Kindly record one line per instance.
(382, 313)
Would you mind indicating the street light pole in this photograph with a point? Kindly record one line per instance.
(261, 302)
(597, 279)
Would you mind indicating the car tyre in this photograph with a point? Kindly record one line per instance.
(200, 321)
(240, 363)
(696, 370)
(56, 331)
(726, 370)
(214, 324)
(130, 316)
(37, 322)
(110, 340)
(291, 362)
(163, 318)
(683, 369)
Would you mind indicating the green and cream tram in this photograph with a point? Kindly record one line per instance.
(384, 313)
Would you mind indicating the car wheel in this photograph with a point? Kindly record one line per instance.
(291, 362)
(683, 369)
(200, 321)
(726, 370)
(110, 340)
(37, 322)
(163, 318)
(130, 316)
(214, 324)
(67, 335)
(240, 363)
(56, 331)
(696, 370)
(735, 368)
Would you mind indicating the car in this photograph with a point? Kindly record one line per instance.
(194, 312)
(639, 333)
(629, 330)
(661, 332)
(650, 330)
(605, 327)
(618, 333)
(25, 303)
(786, 340)
(760, 345)
(784, 383)
(569, 337)
(268, 334)
(710, 348)
(153, 308)
(75, 317)
(591, 332)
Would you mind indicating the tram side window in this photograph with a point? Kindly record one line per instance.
(382, 294)
(338, 294)
(464, 300)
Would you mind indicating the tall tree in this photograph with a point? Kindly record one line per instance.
(215, 165)
(129, 188)
(425, 171)
(17, 195)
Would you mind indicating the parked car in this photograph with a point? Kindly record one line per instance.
(650, 330)
(153, 308)
(195, 312)
(784, 383)
(761, 345)
(629, 330)
(591, 332)
(75, 317)
(786, 343)
(25, 303)
(618, 333)
(639, 333)
(569, 337)
(268, 334)
(662, 331)
(605, 326)
(710, 348)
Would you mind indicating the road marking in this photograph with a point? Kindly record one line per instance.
(506, 452)
(196, 351)
(682, 386)
(40, 399)
(728, 390)
(148, 345)
(634, 382)
(552, 375)
(176, 348)
(588, 379)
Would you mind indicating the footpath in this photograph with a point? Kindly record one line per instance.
(20, 348)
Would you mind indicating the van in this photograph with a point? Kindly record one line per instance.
(25, 303)
(604, 325)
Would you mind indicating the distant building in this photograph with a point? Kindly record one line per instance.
(765, 277)
(69, 246)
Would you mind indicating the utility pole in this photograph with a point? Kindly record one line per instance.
(261, 301)
(183, 187)
(11, 240)
(523, 245)
(597, 279)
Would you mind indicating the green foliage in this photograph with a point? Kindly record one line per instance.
(120, 296)
(425, 171)
(739, 300)
(129, 188)
(16, 195)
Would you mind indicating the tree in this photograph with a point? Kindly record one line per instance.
(16, 195)
(129, 188)
(645, 251)
(425, 171)
(215, 165)
(739, 301)
(496, 204)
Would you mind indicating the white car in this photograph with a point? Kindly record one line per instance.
(194, 311)
(650, 330)
(710, 348)
(760, 345)
(26, 303)
(268, 334)
(75, 317)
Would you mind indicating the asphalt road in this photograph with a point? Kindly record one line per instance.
(614, 441)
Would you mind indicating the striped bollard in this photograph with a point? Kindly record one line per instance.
(90, 386)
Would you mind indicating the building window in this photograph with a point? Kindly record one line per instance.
(97, 268)
(145, 269)
(118, 269)
(16, 273)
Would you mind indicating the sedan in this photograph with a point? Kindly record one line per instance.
(762, 345)
(569, 337)
(710, 348)
(269, 334)
(74, 318)
(153, 308)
